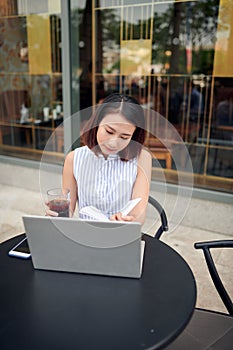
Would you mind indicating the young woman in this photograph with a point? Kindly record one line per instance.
(112, 167)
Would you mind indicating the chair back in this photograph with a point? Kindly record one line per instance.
(206, 246)
(163, 216)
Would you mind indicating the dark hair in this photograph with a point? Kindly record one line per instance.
(127, 106)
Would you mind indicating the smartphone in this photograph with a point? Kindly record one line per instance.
(21, 250)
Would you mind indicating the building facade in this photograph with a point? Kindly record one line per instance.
(60, 58)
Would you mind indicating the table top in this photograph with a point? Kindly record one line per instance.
(59, 310)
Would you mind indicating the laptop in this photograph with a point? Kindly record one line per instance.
(94, 247)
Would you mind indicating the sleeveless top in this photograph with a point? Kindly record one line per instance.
(106, 184)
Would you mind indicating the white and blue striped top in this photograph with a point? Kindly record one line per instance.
(106, 184)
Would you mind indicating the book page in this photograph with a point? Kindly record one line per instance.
(98, 215)
(129, 206)
(94, 213)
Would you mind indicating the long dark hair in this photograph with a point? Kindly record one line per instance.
(124, 105)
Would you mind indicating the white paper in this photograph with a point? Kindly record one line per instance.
(129, 206)
(98, 215)
(94, 213)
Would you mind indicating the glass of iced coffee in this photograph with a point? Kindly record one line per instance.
(59, 201)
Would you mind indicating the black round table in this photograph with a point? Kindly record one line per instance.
(57, 310)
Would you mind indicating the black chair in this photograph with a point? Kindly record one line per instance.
(209, 329)
(163, 217)
(206, 246)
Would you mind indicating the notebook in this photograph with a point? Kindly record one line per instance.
(94, 247)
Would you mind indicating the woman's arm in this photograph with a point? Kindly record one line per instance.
(69, 182)
(141, 189)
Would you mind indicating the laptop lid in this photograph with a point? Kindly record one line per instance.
(73, 245)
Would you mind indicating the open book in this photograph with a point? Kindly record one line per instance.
(98, 215)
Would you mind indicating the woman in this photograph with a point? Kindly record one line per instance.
(112, 167)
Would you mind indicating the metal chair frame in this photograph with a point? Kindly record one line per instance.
(206, 246)
(209, 329)
(163, 216)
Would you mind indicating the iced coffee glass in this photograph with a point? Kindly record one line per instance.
(59, 201)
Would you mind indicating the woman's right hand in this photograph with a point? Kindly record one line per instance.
(49, 212)
(54, 214)
(120, 217)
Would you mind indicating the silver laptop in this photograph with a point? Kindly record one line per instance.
(94, 247)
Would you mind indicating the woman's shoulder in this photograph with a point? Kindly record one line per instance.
(145, 163)
(82, 154)
(77, 151)
(81, 149)
(145, 156)
(69, 157)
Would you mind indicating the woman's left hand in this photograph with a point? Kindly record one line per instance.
(119, 217)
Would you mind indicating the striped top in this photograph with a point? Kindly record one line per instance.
(106, 184)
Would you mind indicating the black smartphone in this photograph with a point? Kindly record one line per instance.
(21, 250)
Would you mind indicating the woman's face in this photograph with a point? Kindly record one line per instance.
(114, 133)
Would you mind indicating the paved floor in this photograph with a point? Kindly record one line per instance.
(15, 202)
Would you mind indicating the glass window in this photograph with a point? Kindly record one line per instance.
(174, 57)
(31, 76)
